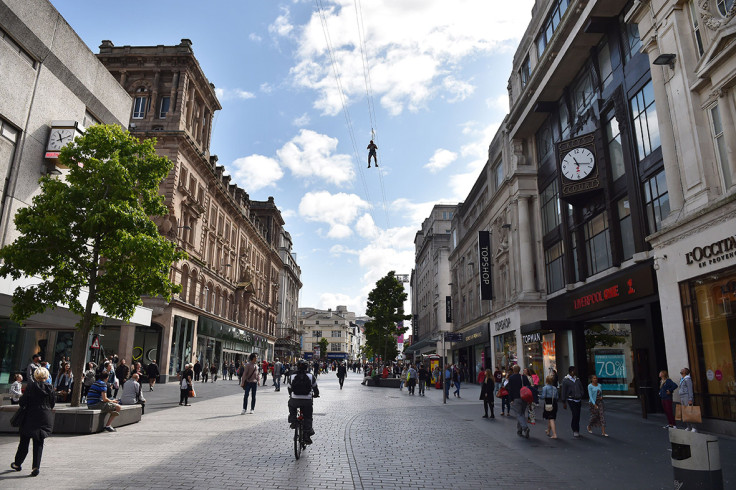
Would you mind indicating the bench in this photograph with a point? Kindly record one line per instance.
(76, 420)
(382, 382)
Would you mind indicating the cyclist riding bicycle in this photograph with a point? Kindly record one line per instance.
(302, 385)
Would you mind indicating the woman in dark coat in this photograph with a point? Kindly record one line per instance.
(38, 401)
(486, 393)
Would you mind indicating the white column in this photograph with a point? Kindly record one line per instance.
(725, 105)
(525, 246)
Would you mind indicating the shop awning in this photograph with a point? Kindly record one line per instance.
(417, 346)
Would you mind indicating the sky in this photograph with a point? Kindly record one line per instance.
(304, 84)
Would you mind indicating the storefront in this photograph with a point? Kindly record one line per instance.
(471, 354)
(219, 342)
(611, 328)
(696, 268)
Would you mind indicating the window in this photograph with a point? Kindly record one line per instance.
(725, 6)
(564, 117)
(18, 48)
(696, 28)
(139, 107)
(498, 174)
(615, 150)
(89, 119)
(646, 126)
(597, 244)
(317, 333)
(550, 208)
(657, 201)
(164, 109)
(550, 26)
(632, 43)
(719, 141)
(627, 230)
(525, 71)
(575, 253)
(336, 333)
(604, 64)
(553, 261)
(335, 347)
(583, 93)
(545, 140)
(8, 131)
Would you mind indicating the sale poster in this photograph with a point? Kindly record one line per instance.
(611, 371)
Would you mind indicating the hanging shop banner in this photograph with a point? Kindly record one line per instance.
(484, 268)
(448, 309)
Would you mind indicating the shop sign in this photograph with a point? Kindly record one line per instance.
(532, 338)
(629, 285)
(484, 259)
(719, 251)
(448, 309)
(502, 324)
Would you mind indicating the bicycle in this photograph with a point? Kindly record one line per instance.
(299, 443)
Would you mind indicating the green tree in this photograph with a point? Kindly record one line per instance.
(90, 239)
(323, 344)
(386, 308)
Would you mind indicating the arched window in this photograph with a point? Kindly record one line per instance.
(184, 282)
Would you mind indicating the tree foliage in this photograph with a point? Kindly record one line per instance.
(89, 238)
(386, 308)
(323, 344)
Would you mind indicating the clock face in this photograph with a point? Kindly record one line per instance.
(59, 138)
(577, 164)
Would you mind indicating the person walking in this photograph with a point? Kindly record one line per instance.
(402, 378)
(505, 399)
(197, 370)
(573, 393)
(122, 371)
(531, 416)
(519, 406)
(497, 379)
(411, 379)
(264, 371)
(213, 371)
(224, 370)
(550, 396)
(205, 372)
(152, 372)
(423, 376)
(597, 408)
(342, 372)
(686, 394)
(38, 402)
(666, 388)
(448, 381)
(456, 381)
(249, 382)
(487, 392)
(277, 368)
(16, 389)
(186, 384)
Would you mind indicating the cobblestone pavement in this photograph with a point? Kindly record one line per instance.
(367, 438)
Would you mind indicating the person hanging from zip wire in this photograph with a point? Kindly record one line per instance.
(372, 153)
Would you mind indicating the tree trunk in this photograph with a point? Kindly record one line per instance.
(79, 353)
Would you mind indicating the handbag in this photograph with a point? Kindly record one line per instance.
(526, 394)
(548, 407)
(18, 417)
(678, 412)
(502, 392)
(691, 414)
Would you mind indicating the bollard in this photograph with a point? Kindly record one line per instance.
(696, 461)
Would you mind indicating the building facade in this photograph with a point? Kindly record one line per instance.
(336, 326)
(228, 304)
(49, 79)
(430, 281)
(288, 344)
(695, 248)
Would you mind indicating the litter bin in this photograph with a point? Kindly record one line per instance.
(696, 460)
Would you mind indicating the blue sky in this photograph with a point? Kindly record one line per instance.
(438, 72)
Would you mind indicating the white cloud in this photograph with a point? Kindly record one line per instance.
(232, 94)
(255, 37)
(255, 172)
(288, 213)
(365, 227)
(311, 154)
(338, 211)
(302, 120)
(282, 25)
(331, 300)
(266, 88)
(341, 249)
(499, 102)
(441, 159)
(410, 62)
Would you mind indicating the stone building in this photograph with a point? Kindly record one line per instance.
(690, 46)
(288, 345)
(430, 280)
(229, 300)
(49, 82)
(335, 326)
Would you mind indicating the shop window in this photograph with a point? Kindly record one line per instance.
(719, 142)
(656, 201)
(695, 21)
(505, 350)
(609, 353)
(626, 228)
(615, 150)
(597, 244)
(646, 125)
(551, 216)
(554, 266)
(709, 310)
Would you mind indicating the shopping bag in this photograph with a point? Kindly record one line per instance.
(678, 412)
(691, 414)
(192, 394)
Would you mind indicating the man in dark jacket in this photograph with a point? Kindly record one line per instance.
(573, 392)
(122, 372)
(152, 372)
(519, 406)
(197, 370)
(342, 371)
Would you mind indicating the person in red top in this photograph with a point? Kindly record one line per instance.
(264, 371)
(498, 379)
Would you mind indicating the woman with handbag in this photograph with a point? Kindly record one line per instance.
(550, 396)
(686, 395)
(37, 403)
(503, 394)
(185, 385)
(486, 393)
(597, 408)
(64, 383)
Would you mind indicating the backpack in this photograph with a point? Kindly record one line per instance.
(301, 384)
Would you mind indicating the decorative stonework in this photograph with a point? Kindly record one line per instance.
(711, 21)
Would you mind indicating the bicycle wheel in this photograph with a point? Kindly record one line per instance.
(298, 441)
